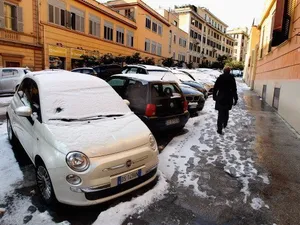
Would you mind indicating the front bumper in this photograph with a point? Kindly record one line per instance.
(100, 183)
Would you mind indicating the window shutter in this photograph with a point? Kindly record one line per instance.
(82, 24)
(2, 21)
(97, 29)
(20, 19)
(68, 19)
(280, 9)
(77, 22)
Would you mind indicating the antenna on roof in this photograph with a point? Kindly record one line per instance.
(163, 76)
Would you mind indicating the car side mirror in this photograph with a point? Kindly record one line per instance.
(127, 102)
(24, 111)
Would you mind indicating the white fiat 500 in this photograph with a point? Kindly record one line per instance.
(86, 144)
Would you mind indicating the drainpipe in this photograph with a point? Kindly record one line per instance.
(43, 28)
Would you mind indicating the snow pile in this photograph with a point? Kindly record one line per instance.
(10, 170)
(258, 203)
(116, 215)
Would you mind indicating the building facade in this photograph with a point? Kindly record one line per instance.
(152, 28)
(19, 34)
(207, 35)
(241, 38)
(70, 29)
(177, 39)
(277, 68)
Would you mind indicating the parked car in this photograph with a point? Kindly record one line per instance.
(160, 104)
(195, 98)
(207, 80)
(86, 144)
(85, 70)
(190, 81)
(105, 71)
(10, 79)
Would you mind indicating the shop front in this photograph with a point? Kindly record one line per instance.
(57, 57)
(76, 58)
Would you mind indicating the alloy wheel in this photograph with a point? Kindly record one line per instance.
(44, 183)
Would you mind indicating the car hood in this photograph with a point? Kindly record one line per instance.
(97, 138)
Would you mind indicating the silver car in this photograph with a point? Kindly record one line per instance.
(10, 78)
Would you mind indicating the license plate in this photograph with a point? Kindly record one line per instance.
(172, 121)
(193, 106)
(128, 177)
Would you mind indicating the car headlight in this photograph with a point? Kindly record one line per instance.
(152, 142)
(78, 161)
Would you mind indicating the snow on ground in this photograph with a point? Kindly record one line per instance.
(10, 170)
(117, 214)
(11, 177)
(4, 101)
(189, 159)
(258, 203)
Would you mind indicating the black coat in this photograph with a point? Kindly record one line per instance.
(225, 92)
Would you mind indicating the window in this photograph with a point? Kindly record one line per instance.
(108, 31)
(159, 49)
(206, 51)
(58, 14)
(191, 46)
(199, 37)
(147, 45)
(196, 23)
(94, 26)
(276, 98)
(13, 17)
(120, 35)
(154, 27)
(204, 29)
(148, 22)
(175, 23)
(204, 40)
(77, 19)
(191, 33)
(130, 39)
(117, 82)
(153, 47)
(198, 49)
(174, 39)
(160, 29)
(193, 21)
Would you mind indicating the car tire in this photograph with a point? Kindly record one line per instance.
(10, 133)
(44, 184)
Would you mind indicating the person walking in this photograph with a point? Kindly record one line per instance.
(225, 95)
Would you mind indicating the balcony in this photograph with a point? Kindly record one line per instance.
(9, 35)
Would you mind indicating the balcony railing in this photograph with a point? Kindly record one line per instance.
(9, 35)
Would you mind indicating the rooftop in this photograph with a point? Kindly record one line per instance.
(150, 78)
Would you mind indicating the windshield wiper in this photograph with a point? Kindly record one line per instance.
(88, 118)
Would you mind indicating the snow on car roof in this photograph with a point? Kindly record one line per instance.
(71, 95)
(147, 78)
(149, 67)
(64, 80)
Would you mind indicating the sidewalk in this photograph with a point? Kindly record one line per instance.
(249, 176)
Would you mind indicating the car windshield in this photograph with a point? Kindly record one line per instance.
(82, 103)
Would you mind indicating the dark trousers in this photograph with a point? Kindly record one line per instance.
(223, 118)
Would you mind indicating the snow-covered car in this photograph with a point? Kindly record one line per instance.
(207, 80)
(86, 144)
(10, 78)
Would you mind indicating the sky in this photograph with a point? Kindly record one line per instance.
(235, 13)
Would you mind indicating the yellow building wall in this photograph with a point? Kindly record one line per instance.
(75, 41)
(22, 47)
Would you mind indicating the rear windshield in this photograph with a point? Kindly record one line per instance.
(166, 90)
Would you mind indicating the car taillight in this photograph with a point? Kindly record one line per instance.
(150, 110)
(185, 105)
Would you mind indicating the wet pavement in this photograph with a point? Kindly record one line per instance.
(249, 176)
